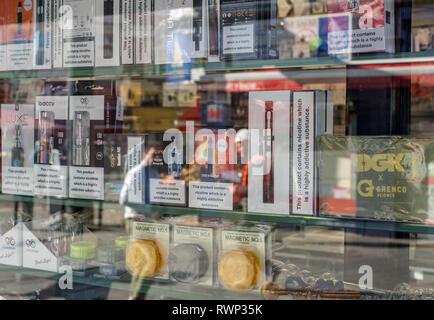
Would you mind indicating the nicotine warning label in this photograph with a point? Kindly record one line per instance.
(238, 39)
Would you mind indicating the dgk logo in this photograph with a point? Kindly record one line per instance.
(365, 188)
(380, 162)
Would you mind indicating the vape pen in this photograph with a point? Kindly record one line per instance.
(213, 27)
(268, 179)
(17, 156)
(108, 29)
(210, 157)
(197, 24)
(20, 18)
(46, 139)
(40, 31)
(81, 148)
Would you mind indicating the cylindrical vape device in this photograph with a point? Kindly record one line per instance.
(46, 138)
(197, 24)
(268, 179)
(40, 29)
(213, 17)
(81, 149)
(210, 157)
(108, 29)
(17, 153)
(20, 18)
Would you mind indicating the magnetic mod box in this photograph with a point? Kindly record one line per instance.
(248, 30)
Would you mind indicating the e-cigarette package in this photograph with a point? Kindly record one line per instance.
(127, 32)
(3, 39)
(200, 25)
(143, 31)
(43, 34)
(17, 123)
(78, 23)
(213, 28)
(135, 183)
(93, 113)
(269, 152)
(166, 176)
(312, 116)
(20, 34)
(248, 30)
(51, 146)
(211, 185)
(107, 20)
(173, 31)
(369, 26)
(57, 30)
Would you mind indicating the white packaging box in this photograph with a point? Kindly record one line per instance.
(86, 120)
(51, 170)
(29, 35)
(173, 31)
(107, 24)
(127, 31)
(269, 170)
(17, 125)
(78, 23)
(11, 245)
(312, 117)
(135, 182)
(143, 31)
(57, 31)
(43, 34)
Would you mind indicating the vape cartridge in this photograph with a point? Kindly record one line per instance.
(108, 29)
(17, 156)
(40, 32)
(268, 179)
(20, 18)
(174, 164)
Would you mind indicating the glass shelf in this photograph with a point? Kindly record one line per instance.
(158, 288)
(330, 222)
(160, 71)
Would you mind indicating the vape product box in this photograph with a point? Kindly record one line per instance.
(135, 176)
(114, 166)
(269, 149)
(312, 116)
(51, 146)
(17, 123)
(91, 116)
(368, 25)
(191, 258)
(78, 23)
(57, 30)
(213, 30)
(11, 242)
(3, 39)
(20, 34)
(173, 31)
(143, 31)
(127, 32)
(387, 178)
(166, 176)
(43, 34)
(303, 37)
(211, 184)
(248, 30)
(107, 24)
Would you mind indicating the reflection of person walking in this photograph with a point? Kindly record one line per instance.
(141, 170)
